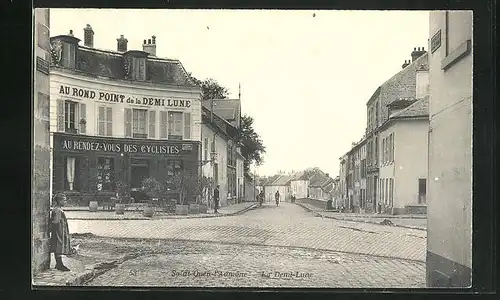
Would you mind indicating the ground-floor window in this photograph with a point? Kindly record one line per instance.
(71, 173)
(105, 173)
(174, 166)
(391, 191)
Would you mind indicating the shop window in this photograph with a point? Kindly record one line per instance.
(175, 125)
(138, 124)
(105, 121)
(105, 173)
(187, 126)
(71, 176)
(173, 168)
(71, 117)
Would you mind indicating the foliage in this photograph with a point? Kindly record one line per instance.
(122, 190)
(186, 184)
(252, 147)
(211, 89)
(91, 187)
(152, 188)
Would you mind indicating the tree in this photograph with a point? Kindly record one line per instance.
(252, 147)
(211, 89)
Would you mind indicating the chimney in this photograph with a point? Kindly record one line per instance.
(417, 52)
(122, 44)
(150, 46)
(407, 62)
(71, 33)
(88, 36)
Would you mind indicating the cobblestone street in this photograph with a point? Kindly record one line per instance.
(288, 225)
(201, 264)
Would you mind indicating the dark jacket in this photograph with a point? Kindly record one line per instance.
(216, 194)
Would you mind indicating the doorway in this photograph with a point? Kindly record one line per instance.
(375, 182)
(422, 186)
(139, 170)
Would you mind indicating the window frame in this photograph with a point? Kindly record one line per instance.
(135, 123)
(108, 122)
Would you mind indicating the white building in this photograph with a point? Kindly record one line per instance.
(449, 191)
(223, 162)
(299, 185)
(119, 116)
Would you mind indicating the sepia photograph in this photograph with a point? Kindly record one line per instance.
(210, 148)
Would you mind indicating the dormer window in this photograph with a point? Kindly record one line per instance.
(139, 68)
(135, 64)
(68, 55)
(64, 50)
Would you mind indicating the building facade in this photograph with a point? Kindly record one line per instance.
(119, 115)
(342, 182)
(40, 188)
(401, 85)
(449, 191)
(299, 185)
(403, 158)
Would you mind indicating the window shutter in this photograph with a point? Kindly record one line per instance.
(152, 122)
(109, 121)
(101, 120)
(163, 124)
(60, 115)
(187, 126)
(128, 122)
(83, 116)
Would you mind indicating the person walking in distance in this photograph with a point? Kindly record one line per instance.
(216, 199)
(277, 196)
(59, 233)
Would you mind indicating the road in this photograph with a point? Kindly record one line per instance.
(266, 247)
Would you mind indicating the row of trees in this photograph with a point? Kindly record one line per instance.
(252, 147)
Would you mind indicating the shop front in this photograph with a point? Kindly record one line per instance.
(85, 166)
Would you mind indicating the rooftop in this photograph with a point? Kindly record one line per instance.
(229, 109)
(112, 64)
(420, 108)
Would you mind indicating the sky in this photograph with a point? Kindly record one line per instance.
(305, 75)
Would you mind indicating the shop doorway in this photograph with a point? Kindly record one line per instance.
(139, 170)
(375, 183)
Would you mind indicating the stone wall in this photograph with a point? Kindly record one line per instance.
(40, 197)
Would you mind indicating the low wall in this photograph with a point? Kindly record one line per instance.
(321, 204)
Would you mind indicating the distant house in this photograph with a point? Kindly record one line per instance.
(269, 188)
(299, 185)
(315, 186)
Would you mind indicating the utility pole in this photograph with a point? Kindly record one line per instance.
(254, 195)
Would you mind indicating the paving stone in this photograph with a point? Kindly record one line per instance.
(286, 225)
(209, 265)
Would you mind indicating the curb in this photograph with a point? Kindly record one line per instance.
(167, 218)
(318, 214)
(97, 269)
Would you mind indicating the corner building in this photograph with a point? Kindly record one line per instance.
(449, 192)
(119, 115)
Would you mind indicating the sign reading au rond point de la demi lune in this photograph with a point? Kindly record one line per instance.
(121, 98)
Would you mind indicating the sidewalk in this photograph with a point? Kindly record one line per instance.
(83, 266)
(418, 222)
(82, 213)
